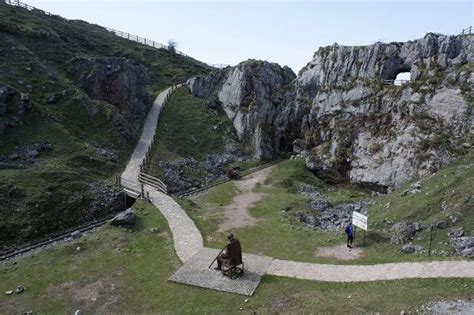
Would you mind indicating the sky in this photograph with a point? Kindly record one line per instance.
(286, 32)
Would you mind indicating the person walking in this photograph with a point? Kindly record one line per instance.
(350, 235)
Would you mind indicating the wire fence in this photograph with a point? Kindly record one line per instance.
(466, 31)
(135, 38)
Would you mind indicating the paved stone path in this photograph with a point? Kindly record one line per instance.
(361, 273)
(196, 272)
(129, 177)
(188, 239)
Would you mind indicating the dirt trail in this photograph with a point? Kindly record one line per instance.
(341, 252)
(237, 214)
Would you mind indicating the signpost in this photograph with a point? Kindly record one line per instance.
(359, 220)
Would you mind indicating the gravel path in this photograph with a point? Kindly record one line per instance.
(188, 239)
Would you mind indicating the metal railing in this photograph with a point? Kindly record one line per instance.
(144, 178)
(395, 82)
(28, 7)
(466, 31)
(143, 40)
(220, 66)
(152, 181)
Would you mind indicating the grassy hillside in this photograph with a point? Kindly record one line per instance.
(126, 271)
(53, 191)
(445, 196)
(190, 129)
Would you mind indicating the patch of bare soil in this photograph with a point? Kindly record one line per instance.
(341, 252)
(89, 294)
(236, 214)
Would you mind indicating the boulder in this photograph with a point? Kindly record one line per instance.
(76, 234)
(418, 226)
(410, 248)
(441, 225)
(414, 188)
(125, 218)
(402, 232)
(463, 246)
(319, 205)
(456, 232)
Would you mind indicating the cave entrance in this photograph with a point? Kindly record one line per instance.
(402, 78)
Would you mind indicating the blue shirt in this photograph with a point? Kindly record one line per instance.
(349, 230)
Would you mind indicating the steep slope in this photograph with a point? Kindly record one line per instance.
(194, 142)
(73, 97)
(344, 118)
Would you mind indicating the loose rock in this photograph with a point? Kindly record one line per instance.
(402, 232)
(125, 218)
(457, 232)
(441, 225)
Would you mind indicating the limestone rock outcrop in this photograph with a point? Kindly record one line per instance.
(117, 81)
(254, 95)
(363, 128)
(348, 117)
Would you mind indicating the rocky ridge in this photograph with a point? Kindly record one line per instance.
(340, 114)
(254, 95)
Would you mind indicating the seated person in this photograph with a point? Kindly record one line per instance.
(232, 255)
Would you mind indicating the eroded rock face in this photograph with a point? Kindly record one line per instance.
(403, 232)
(13, 107)
(254, 95)
(343, 117)
(118, 81)
(382, 135)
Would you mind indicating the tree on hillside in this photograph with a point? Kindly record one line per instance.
(172, 46)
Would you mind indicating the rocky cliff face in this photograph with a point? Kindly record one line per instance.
(13, 106)
(345, 119)
(118, 81)
(254, 96)
(381, 135)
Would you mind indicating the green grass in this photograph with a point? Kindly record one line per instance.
(279, 234)
(450, 188)
(189, 128)
(125, 271)
(36, 58)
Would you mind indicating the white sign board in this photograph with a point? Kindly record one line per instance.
(359, 220)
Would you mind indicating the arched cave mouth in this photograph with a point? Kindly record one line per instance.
(402, 78)
(397, 75)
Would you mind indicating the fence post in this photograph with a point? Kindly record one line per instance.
(431, 240)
